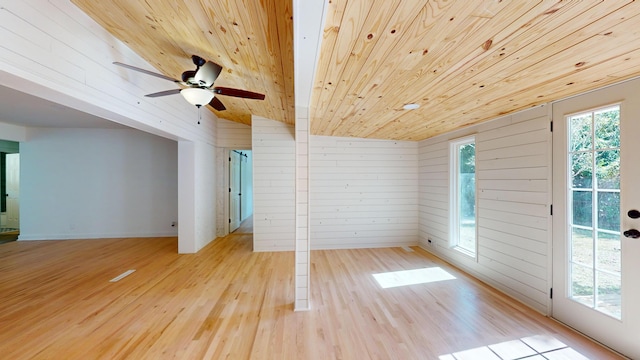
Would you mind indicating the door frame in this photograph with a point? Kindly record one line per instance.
(622, 94)
(9, 223)
(235, 219)
(224, 189)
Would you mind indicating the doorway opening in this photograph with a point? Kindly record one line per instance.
(240, 191)
(9, 191)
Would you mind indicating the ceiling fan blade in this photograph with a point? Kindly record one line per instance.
(189, 74)
(238, 93)
(145, 71)
(208, 73)
(164, 93)
(197, 60)
(217, 104)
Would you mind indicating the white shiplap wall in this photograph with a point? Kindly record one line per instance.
(274, 205)
(52, 50)
(233, 135)
(513, 189)
(363, 193)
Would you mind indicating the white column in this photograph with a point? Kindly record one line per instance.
(308, 20)
(302, 302)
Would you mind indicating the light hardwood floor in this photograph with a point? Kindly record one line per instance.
(226, 302)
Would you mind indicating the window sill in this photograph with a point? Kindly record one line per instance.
(464, 251)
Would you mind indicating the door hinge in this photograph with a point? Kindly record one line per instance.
(229, 221)
(551, 209)
(229, 189)
(551, 126)
(551, 293)
(229, 158)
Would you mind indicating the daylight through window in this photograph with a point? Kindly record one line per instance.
(463, 195)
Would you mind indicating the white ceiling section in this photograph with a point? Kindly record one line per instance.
(308, 21)
(23, 109)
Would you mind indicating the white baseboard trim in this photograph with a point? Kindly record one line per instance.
(39, 237)
(347, 246)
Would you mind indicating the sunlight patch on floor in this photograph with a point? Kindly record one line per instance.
(530, 348)
(412, 277)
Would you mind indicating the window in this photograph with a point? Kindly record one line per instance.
(594, 203)
(462, 217)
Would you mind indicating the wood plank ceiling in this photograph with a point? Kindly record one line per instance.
(251, 40)
(463, 62)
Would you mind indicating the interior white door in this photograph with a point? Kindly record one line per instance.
(234, 191)
(13, 190)
(596, 182)
(246, 182)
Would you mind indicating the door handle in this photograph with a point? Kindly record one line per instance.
(632, 233)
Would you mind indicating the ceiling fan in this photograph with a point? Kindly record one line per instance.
(199, 88)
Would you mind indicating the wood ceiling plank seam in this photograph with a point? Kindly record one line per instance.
(626, 72)
(94, 8)
(196, 47)
(237, 109)
(383, 28)
(337, 121)
(521, 107)
(275, 82)
(241, 23)
(407, 75)
(287, 56)
(565, 79)
(474, 53)
(602, 27)
(366, 38)
(480, 69)
(210, 24)
(564, 86)
(151, 55)
(463, 87)
(389, 71)
(274, 85)
(354, 16)
(333, 20)
(213, 30)
(156, 28)
(271, 22)
(226, 23)
(417, 119)
(199, 15)
(146, 54)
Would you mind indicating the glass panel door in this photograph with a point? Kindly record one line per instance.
(594, 252)
(596, 185)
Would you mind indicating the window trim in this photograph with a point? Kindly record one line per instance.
(454, 222)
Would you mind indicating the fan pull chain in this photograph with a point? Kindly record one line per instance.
(199, 114)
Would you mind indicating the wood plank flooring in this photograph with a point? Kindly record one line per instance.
(226, 302)
(246, 226)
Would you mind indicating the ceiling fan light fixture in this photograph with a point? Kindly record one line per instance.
(197, 96)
